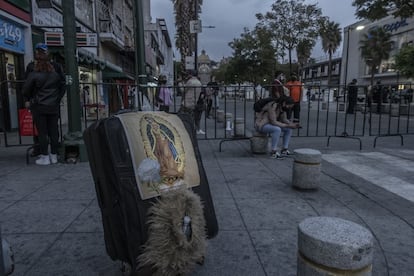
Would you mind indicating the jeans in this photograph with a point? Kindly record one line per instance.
(275, 132)
(47, 126)
(197, 118)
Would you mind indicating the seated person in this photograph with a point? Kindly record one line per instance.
(273, 119)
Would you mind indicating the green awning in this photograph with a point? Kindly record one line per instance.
(112, 71)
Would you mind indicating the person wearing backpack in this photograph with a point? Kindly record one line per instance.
(273, 119)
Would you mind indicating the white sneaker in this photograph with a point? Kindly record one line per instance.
(200, 132)
(43, 160)
(53, 158)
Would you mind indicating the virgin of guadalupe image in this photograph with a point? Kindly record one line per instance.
(164, 145)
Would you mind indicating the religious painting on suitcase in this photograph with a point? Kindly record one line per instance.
(161, 137)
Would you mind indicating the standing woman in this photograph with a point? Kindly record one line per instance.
(44, 89)
(165, 95)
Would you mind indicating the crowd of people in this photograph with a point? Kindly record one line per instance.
(45, 86)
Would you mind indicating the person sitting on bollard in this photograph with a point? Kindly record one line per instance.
(273, 119)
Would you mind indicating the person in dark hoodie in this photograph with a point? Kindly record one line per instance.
(44, 88)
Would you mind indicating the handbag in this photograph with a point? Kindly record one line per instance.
(26, 125)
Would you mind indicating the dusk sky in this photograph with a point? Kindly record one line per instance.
(230, 17)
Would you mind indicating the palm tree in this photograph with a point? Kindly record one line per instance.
(375, 47)
(185, 11)
(331, 39)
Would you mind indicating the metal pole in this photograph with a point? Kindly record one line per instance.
(196, 39)
(140, 72)
(71, 65)
(2, 268)
(347, 55)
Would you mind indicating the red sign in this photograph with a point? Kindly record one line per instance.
(82, 39)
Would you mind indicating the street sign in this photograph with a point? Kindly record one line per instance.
(195, 26)
(189, 63)
(82, 39)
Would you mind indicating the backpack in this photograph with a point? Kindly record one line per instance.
(258, 106)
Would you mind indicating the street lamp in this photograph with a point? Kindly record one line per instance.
(197, 28)
(348, 30)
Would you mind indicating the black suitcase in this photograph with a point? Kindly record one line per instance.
(124, 212)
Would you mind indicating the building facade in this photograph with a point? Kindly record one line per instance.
(105, 50)
(15, 52)
(354, 66)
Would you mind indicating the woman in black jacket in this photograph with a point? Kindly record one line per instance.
(44, 88)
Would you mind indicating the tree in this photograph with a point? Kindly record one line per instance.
(292, 21)
(253, 55)
(404, 61)
(304, 51)
(331, 39)
(375, 46)
(377, 9)
(185, 11)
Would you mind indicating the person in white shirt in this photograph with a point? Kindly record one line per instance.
(192, 95)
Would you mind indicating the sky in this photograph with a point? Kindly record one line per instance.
(230, 17)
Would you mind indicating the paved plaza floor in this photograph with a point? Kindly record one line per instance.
(51, 218)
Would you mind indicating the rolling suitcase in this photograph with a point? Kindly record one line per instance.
(123, 203)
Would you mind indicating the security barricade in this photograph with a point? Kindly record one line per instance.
(324, 110)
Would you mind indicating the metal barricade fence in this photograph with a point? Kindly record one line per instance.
(231, 115)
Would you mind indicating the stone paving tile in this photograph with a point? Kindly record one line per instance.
(90, 220)
(259, 188)
(28, 248)
(65, 189)
(277, 213)
(401, 264)
(245, 169)
(19, 189)
(277, 250)
(230, 253)
(5, 203)
(228, 216)
(76, 254)
(40, 216)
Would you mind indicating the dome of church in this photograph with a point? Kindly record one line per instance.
(203, 58)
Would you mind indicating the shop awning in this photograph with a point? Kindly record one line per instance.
(109, 70)
(89, 58)
(112, 71)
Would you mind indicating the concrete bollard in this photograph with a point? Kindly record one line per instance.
(239, 127)
(306, 168)
(220, 116)
(259, 143)
(228, 121)
(334, 246)
(395, 110)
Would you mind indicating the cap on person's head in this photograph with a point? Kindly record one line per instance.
(41, 46)
(354, 81)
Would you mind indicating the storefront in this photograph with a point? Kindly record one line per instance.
(103, 86)
(13, 36)
(354, 65)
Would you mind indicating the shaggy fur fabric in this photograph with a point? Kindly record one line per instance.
(168, 250)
